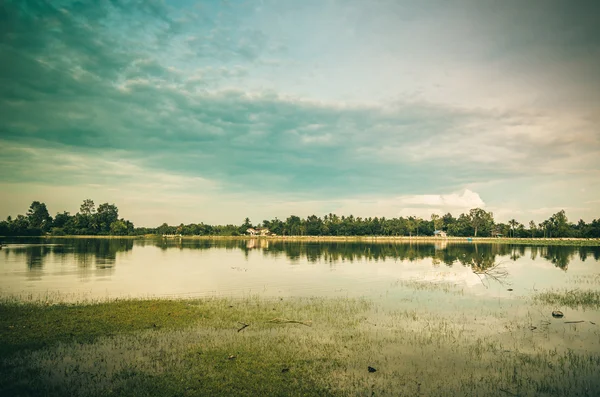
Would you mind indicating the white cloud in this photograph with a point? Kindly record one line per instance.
(465, 199)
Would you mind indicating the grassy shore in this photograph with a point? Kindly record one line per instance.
(309, 347)
(406, 239)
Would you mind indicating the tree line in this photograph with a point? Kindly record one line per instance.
(477, 222)
(104, 220)
(89, 221)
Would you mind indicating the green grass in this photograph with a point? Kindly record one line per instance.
(33, 326)
(113, 349)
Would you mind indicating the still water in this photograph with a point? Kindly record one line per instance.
(111, 268)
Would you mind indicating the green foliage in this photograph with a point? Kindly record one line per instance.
(88, 207)
(118, 228)
(481, 220)
(88, 221)
(559, 224)
(105, 216)
(477, 222)
(38, 216)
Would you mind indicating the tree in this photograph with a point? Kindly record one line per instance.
(521, 232)
(532, 228)
(559, 224)
(164, 229)
(88, 207)
(60, 220)
(447, 222)
(410, 225)
(60, 223)
(480, 219)
(245, 226)
(292, 225)
(106, 215)
(417, 221)
(313, 225)
(38, 216)
(118, 228)
(544, 227)
(435, 219)
(20, 226)
(513, 224)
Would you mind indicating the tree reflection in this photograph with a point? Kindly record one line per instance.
(558, 256)
(479, 257)
(99, 253)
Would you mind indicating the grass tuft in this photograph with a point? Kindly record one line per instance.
(587, 299)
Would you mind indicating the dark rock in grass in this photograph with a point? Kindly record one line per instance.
(285, 370)
(371, 369)
(557, 314)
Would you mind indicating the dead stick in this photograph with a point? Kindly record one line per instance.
(574, 322)
(506, 391)
(285, 321)
(244, 325)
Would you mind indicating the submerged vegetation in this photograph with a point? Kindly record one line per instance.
(587, 299)
(105, 220)
(350, 347)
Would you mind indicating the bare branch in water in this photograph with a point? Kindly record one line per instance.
(497, 273)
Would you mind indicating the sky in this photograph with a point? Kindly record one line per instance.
(212, 111)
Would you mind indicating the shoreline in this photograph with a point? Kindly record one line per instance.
(343, 239)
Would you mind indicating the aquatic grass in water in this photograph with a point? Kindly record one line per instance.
(441, 286)
(587, 299)
(589, 279)
(414, 351)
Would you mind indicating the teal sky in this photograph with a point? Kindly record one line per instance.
(190, 111)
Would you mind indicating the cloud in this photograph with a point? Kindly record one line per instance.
(465, 199)
(239, 101)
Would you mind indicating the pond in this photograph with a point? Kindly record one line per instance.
(110, 268)
(432, 318)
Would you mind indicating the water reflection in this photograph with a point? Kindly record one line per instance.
(86, 253)
(477, 256)
(128, 267)
(102, 253)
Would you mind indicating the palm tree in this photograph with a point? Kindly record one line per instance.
(513, 223)
(434, 219)
(532, 227)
